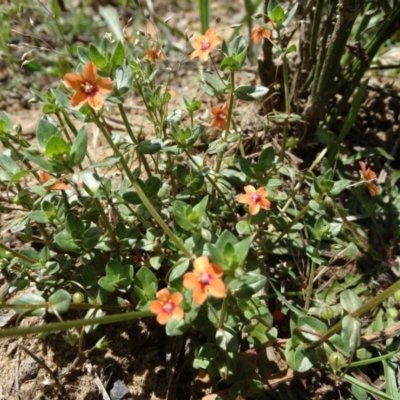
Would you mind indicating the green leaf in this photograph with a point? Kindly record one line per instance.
(95, 55)
(8, 168)
(91, 237)
(181, 212)
(123, 78)
(74, 226)
(277, 14)
(350, 301)
(122, 275)
(56, 147)
(78, 148)
(226, 338)
(311, 328)
(351, 332)
(250, 93)
(247, 285)
(83, 54)
(145, 284)
(6, 125)
(45, 165)
(118, 56)
(59, 301)
(179, 268)
(44, 131)
(67, 242)
(152, 146)
(111, 16)
(107, 284)
(28, 302)
(39, 216)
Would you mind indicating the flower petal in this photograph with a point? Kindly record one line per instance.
(199, 294)
(104, 85)
(262, 192)
(201, 264)
(243, 198)
(254, 208)
(96, 101)
(215, 271)
(89, 73)
(177, 313)
(73, 81)
(163, 295)
(249, 189)
(44, 176)
(176, 298)
(217, 288)
(163, 318)
(190, 280)
(155, 307)
(264, 203)
(79, 98)
(59, 186)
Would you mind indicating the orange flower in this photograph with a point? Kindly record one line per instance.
(204, 44)
(204, 279)
(45, 177)
(154, 55)
(89, 87)
(167, 306)
(369, 176)
(255, 198)
(259, 32)
(219, 116)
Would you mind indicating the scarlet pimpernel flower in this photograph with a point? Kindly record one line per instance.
(58, 185)
(220, 116)
(256, 199)
(204, 280)
(89, 87)
(370, 177)
(204, 44)
(259, 32)
(167, 306)
(154, 55)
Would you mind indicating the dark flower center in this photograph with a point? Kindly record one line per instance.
(205, 45)
(168, 307)
(204, 278)
(255, 197)
(87, 87)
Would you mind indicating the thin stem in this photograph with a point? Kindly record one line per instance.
(17, 254)
(369, 305)
(311, 279)
(286, 89)
(139, 190)
(133, 138)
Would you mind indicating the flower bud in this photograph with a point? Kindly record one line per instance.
(327, 312)
(392, 313)
(336, 360)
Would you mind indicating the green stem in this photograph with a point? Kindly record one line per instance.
(133, 138)
(311, 279)
(286, 89)
(62, 326)
(369, 305)
(287, 229)
(223, 312)
(213, 183)
(139, 190)
(16, 254)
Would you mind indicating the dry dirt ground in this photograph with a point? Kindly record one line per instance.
(142, 363)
